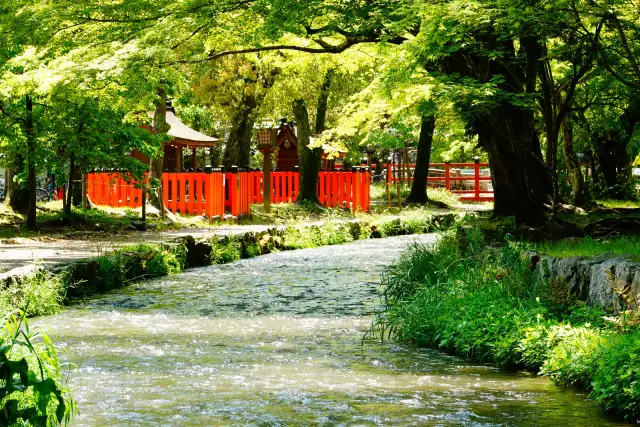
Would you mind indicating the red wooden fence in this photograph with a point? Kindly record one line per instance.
(470, 181)
(185, 193)
(212, 194)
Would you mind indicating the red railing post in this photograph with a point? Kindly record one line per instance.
(165, 189)
(476, 167)
(348, 189)
(356, 188)
(368, 189)
(447, 176)
(201, 193)
(174, 192)
(209, 197)
(233, 190)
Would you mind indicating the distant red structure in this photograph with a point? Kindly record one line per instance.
(287, 154)
(184, 138)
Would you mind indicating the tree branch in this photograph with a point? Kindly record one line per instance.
(325, 48)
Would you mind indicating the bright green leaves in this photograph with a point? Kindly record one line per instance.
(30, 380)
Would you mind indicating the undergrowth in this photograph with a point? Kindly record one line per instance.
(33, 389)
(486, 304)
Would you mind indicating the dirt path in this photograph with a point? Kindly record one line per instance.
(20, 252)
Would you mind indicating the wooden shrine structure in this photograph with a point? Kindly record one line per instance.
(184, 138)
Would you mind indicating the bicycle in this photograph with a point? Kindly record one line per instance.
(44, 195)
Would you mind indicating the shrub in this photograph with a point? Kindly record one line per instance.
(616, 384)
(162, 263)
(226, 250)
(572, 355)
(252, 250)
(41, 293)
(31, 387)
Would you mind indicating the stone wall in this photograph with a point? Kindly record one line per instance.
(606, 281)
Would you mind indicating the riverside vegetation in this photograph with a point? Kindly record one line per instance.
(32, 383)
(487, 304)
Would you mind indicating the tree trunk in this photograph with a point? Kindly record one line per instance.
(521, 181)
(237, 151)
(160, 126)
(76, 194)
(580, 195)
(323, 100)
(309, 158)
(17, 194)
(506, 130)
(71, 186)
(421, 172)
(31, 167)
(83, 193)
(615, 159)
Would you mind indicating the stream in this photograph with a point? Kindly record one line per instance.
(277, 341)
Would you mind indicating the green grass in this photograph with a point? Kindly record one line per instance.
(292, 213)
(379, 195)
(41, 293)
(37, 393)
(623, 246)
(620, 204)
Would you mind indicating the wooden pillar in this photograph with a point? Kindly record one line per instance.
(476, 176)
(179, 158)
(447, 176)
(194, 163)
(85, 198)
(266, 180)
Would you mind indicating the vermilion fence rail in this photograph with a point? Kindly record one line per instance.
(470, 181)
(185, 193)
(334, 189)
(110, 189)
(214, 194)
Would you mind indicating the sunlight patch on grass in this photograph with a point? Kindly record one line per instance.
(620, 204)
(629, 246)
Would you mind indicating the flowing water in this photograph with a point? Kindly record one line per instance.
(276, 341)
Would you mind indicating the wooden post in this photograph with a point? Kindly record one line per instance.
(447, 176)
(85, 198)
(356, 187)
(266, 180)
(387, 189)
(476, 167)
(144, 204)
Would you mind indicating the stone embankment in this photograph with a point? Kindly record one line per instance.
(611, 282)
